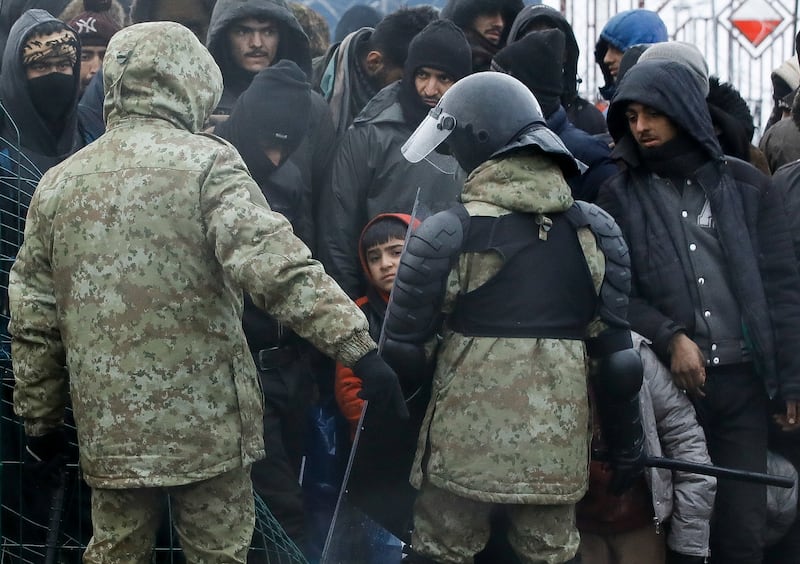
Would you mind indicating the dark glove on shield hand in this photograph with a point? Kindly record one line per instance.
(380, 384)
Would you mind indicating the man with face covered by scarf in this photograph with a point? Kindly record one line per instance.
(38, 129)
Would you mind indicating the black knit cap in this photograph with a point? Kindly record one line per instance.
(271, 113)
(536, 60)
(440, 45)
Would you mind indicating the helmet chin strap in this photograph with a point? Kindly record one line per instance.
(447, 164)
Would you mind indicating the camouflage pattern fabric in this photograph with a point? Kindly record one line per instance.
(509, 418)
(215, 520)
(128, 287)
(451, 529)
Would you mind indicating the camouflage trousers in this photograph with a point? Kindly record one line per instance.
(451, 529)
(214, 519)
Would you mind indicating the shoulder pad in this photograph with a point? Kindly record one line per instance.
(584, 214)
(414, 311)
(616, 285)
(440, 234)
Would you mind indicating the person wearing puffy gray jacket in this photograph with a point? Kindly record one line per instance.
(683, 500)
(612, 528)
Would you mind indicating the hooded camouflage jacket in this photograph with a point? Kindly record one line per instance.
(131, 274)
(508, 420)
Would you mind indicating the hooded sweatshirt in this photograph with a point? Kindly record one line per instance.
(29, 147)
(293, 42)
(622, 31)
(313, 157)
(748, 222)
(534, 60)
(373, 304)
(12, 10)
(463, 13)
(581, 113)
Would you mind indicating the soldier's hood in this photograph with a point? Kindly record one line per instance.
(523, 182)
(160, 70)
(293, 40)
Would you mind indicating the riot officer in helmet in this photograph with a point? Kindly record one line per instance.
(516, 286)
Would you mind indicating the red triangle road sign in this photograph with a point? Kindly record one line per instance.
(756, 30)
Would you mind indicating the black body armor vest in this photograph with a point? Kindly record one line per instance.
(543, 290)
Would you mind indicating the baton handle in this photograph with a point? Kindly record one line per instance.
(719, 471)
(54, 520)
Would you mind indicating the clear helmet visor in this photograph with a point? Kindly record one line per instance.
(434, 129)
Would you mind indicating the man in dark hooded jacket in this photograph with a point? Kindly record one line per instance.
(39, 125)
(485, 23)
(582, 113)
(12, 10)
(38, 129)
(248, 36)
(535, 61)
(715, 286)
(370, 175)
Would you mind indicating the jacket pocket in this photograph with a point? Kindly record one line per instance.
(250, 399)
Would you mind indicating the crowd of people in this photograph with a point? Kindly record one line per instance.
(215, 223)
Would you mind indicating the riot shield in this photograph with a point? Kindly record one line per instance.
(373, 515)
(374, 511)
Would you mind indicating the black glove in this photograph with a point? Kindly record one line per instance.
(45, 456)
(677, 558)
(409, 363)
(380, 384)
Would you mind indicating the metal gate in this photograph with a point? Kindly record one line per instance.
(743, 40)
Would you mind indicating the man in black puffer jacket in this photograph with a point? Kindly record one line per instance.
(715, 283)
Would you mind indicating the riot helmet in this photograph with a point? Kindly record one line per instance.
(483, 116)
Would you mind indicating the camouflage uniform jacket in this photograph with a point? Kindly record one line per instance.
(127, 291)
(508, 421)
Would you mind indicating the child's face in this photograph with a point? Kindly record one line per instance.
(382, 261)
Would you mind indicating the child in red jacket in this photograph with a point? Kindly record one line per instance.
(379, 249)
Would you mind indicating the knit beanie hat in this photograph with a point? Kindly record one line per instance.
(272, 112)
(95, 26)
(536, 61)
(440, 45)
(681, 52)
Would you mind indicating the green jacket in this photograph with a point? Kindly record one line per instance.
(508, 421)
(127, 292)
